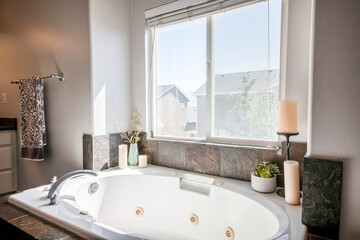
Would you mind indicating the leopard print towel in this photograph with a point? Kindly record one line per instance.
(33, 137)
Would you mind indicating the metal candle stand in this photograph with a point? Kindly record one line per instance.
(281, 192)
(288, 143)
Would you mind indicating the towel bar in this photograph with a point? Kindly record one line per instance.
(60, 77)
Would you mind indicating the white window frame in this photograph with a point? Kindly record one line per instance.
(152, 90)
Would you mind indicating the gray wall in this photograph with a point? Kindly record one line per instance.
(336, 98)
(42, 37)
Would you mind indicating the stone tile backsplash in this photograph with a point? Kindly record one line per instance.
(88, 151)
(101, 152)
(203, 159)
(238, 163)
(225, 161)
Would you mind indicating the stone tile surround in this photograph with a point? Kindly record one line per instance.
(225, 161)
(322, 197)
(101, 152)
(35, 226)
(322, 178)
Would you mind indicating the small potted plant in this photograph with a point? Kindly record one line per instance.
(263, 179)
(133, 137)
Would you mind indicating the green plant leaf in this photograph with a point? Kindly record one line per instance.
(266, 169)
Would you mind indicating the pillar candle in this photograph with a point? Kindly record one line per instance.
(287, 116)
(291, 182)
(123, 156)
(142, 161)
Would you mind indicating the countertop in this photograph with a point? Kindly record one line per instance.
(7, 124)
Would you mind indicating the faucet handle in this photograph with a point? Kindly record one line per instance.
(53, 180)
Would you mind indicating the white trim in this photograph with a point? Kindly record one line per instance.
(247, 142)
(230, 142)
(210, 87)
(92, 78)
(283, 48)
(311, 79)
(209, 77)
(147, 81)
(283, 51)
(152, 80)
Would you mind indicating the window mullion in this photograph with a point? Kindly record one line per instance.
(152, 81)
(209, 77)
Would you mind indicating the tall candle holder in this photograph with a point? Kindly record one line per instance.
(288, 143)
(281, 192)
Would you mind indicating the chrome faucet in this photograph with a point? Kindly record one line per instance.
(55, 186)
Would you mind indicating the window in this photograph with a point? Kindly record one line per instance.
(216, 76)
(180, 71)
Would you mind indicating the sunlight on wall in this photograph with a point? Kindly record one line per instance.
(110, 38)
(100, 112)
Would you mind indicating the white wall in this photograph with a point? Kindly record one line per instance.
(336, 98)
(110, 33)
(297, 57)
(43, 37)
(138, 8)
(297, 66)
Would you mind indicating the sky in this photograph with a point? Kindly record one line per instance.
(241, 45)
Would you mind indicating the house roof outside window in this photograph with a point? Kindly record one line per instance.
(230, 83)
(163, 90)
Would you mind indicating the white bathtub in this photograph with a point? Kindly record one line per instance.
(168, 203)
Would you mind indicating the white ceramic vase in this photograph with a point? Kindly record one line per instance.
(265, 185)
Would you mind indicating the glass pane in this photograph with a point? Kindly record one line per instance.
(246, 93)
(181, 78)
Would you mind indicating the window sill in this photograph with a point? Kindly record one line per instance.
(220, 144)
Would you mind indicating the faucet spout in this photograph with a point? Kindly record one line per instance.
(54, 190)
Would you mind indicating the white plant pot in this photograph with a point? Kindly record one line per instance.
(265, 185)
